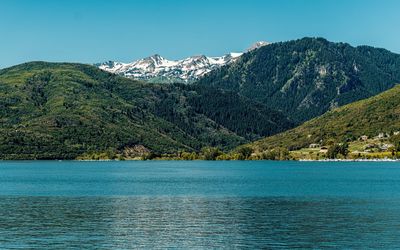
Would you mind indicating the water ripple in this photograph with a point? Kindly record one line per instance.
(196, 222)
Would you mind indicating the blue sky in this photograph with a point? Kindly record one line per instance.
(91, 31)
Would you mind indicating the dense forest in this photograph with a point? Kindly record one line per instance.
(307, 77)
(246, 118)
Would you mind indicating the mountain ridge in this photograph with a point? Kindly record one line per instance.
(304, 78)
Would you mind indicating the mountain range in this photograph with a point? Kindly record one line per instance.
(157, 69)
(70, 111)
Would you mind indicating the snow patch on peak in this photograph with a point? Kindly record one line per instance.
(258, 45)
(156, 66)
(186, 70)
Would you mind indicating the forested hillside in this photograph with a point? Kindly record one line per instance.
(65, 111)
(307, 77)
(245, 117)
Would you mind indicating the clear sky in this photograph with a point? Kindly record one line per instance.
(91, 31)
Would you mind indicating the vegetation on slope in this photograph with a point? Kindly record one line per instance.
(375, 117)
(239, 114)
(68, 111)
(307, 77)
(65, 111)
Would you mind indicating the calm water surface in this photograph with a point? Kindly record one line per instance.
(126, 205)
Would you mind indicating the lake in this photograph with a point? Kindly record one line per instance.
(198, 204)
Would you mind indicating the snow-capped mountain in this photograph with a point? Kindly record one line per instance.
(158, 69)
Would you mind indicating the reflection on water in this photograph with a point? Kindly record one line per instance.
(197, 222)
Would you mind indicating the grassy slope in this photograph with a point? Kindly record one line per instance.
(371, 116)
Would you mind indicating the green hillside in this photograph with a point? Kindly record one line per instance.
(307, 77)
(65, 111)
(369, 117)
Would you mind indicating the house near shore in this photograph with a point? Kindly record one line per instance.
(381, 136)
(363, 138)
(370, 146)
(314, 145)
(385, 146)
(396, 133)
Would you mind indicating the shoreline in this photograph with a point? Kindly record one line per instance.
(354, 160)
(300, 160)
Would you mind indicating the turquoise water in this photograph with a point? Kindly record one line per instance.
(259, 204)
